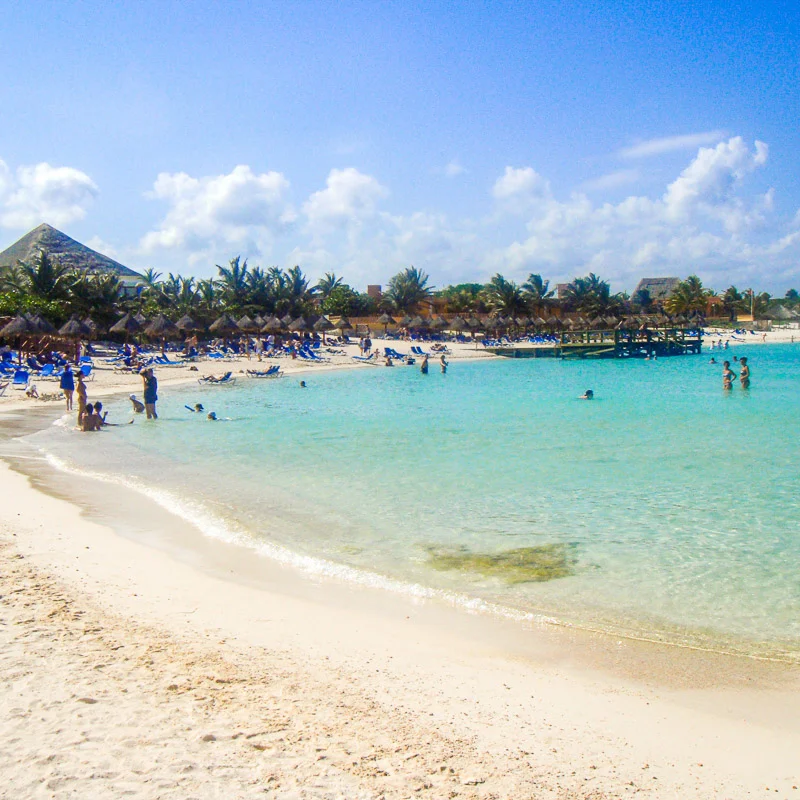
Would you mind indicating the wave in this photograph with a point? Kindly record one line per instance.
(216, 527)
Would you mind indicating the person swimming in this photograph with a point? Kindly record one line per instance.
(303, 385)
(198, 408)
(587, 395)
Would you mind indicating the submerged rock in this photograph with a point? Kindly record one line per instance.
(521, 565)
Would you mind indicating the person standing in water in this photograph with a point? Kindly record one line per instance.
(150, 392)
(744, 375)
(80, 391)
(423, 367)
(727, 375)
(67, 385)
(443, 363)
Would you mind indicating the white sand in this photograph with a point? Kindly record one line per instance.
(127, 671)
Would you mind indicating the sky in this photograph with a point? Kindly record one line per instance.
(630, 139)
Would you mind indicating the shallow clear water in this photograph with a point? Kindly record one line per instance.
(664, 508)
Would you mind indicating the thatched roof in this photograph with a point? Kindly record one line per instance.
(161, 327)
(658, 288)
(186, 323)
(74, 328)
(272, 325)
(224, 324)
(17, 327)
(458, 324)
(63, 249)
(385, 319)
(42, 325)
(127, 324)
(248, 325)
(323, 324)
(343, 324)
(298, 325)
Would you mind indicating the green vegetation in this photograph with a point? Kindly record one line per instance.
(57, 292)
(521, 565)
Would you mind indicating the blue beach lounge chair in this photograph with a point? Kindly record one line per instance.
(21, 377)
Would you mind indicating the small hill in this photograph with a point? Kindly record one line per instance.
(65, 250)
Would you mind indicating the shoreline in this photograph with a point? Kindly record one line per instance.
(543, 714)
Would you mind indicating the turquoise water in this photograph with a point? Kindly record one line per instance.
(665, 508)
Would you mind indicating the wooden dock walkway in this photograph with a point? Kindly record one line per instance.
(659, 342)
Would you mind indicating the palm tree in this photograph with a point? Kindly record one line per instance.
(407, 290)
(233, 281)
(45, 278)
(300, 294)
(327, 283)
(538, 292)
(591, 295)
(732, 301)
(688, 296)
(505, 296)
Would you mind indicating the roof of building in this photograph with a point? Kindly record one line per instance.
(65, 250)
(659, 288)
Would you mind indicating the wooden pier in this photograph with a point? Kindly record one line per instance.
(659, 342)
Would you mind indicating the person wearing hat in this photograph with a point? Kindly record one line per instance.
(150, 392)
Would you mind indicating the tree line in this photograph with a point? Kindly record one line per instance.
(46, 287)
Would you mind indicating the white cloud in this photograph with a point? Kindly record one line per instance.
(42, 193)
(669, 144)
(702, 222)
(523, 182)
(713, 174)
(240, 211)
(705, 220)
(613, 180)
(454, 169)
(349, 197)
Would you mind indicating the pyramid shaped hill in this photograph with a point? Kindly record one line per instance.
(66, 251)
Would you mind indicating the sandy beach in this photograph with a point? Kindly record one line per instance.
(180, 667)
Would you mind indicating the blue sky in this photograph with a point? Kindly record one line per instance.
(631, 139)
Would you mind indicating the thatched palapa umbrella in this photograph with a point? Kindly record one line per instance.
(91, 326)
(322, 325)
(287, 320)
(272, 325)
(224, 325)
(74, 329)
(126, 325)
(385, 320)
(405, 322)
(42, 326)
(458, 324)
(344, 324)
(17, 328)
(298, 325)
(186, 324)
(248, 325)
(160, 327)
